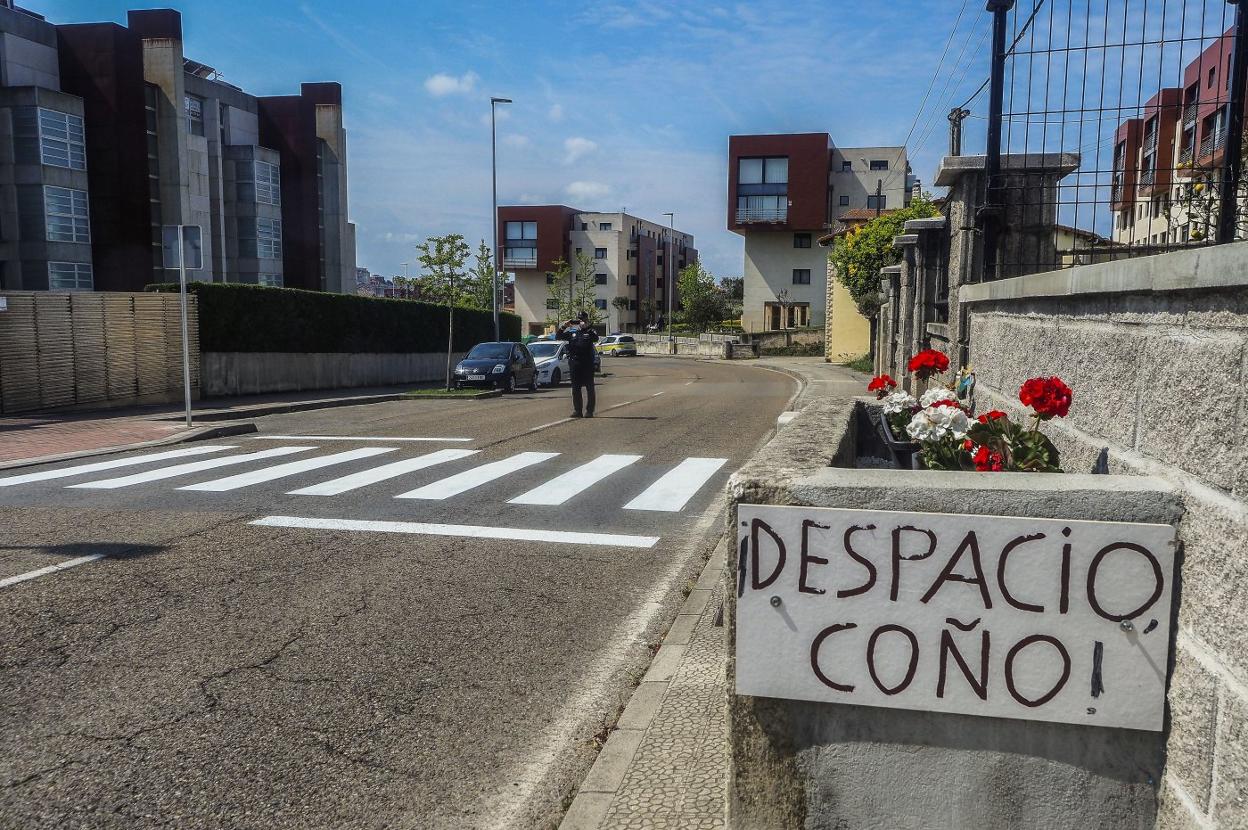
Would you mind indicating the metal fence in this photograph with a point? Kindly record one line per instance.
(68, 349)
(1115, 129)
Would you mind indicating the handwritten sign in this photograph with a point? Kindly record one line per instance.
(1037, 619)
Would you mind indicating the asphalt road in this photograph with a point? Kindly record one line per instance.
(210, 672)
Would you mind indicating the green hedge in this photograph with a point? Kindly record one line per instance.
(253, 318)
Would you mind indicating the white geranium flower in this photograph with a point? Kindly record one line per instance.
(935, 422)
(936, 393)
(899, 402)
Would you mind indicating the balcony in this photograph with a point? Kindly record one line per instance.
(1212, 143)
(767, 216)
(520, 260)
(1147, 177)
(1189, 113)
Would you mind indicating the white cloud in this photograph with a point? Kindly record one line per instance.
(514, 140)
(587, 191)
(441, 84)
(577, 147)
(556, 112)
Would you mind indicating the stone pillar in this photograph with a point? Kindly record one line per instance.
(931, 260)
(1028, 223)
(903, 309)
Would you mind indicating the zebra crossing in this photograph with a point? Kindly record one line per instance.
(671, 492)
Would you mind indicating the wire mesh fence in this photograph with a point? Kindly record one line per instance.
(1115, 129)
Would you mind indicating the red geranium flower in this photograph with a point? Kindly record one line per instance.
(947, 402)
(987, 461)
(1048, 397)
(881, 385)
(927, 363)
(991, 416)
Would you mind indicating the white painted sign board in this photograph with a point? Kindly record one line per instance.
(1009, 617)
(4, 303)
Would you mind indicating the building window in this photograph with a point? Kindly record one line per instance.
(632, 305)
(801, 276)
(268, 183)
(632, 279)
(268, 238)
(584, 226)
(70, 276)
(601, 305)
(550, 279)
(879, 164)
(194, 114)
(271, 280)
(762, 189)
(552, 302)
(600, 253)
(844, 201)
(604, 226)
(847, 167)
(877, 202)
(801, 240)
(66, 212)
(520, 250)
(62, 141)
(600, 279)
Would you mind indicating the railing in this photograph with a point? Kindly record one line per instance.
(520, 262)
(1062, 92)
(760, 216)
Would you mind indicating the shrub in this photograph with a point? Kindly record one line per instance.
(252, 318)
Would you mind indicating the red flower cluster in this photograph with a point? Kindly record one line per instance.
(1049, 397)
(991, 416)
(927, 363)
(987, 461)
(881, 385)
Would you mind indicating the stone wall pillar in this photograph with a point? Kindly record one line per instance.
(903, 309)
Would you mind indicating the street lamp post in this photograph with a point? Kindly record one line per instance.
(669, 289)
(494, 102)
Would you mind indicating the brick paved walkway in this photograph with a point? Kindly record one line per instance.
(36, 437)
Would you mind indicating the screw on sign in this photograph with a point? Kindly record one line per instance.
(1039, 619)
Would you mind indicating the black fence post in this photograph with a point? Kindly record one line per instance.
(1233, 162)
(994, 201)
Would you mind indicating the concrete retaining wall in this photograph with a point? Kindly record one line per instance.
(799, 764)
(705, 345)
(1156, 350)
(251, 373)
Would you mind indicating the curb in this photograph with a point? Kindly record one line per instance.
(602, 783)
(201, 434)
(259, 411)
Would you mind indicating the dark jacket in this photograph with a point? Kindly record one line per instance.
(580, 342)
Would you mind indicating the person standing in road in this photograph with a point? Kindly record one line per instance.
(580, 337)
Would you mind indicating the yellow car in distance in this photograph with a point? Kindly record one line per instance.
(618, 345)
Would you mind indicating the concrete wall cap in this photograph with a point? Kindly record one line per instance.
(932, 223)
(953, 168)
(1014, 482)
(891, 269)
(901, 240)
(1219, 266)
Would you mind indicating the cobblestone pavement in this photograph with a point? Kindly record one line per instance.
(37, 437)
(678, 776)
(666, 764)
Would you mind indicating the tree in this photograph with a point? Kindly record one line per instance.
(701, 300)
(649, 307)
(859, 254)
(479, 284)
(1198, 201)
(621, 304)
(733, 287)
(571, 290)
(443, 259)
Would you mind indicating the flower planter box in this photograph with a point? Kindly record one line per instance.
(905, 453)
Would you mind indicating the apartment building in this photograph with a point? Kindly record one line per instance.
(634, 258)
(1165, 159)
(109, 132)
(784, 193)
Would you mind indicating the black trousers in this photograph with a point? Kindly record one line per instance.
(583, 377)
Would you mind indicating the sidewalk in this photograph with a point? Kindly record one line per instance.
(43, 437)
(665, 765)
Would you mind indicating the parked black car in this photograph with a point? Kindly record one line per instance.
(505, 365)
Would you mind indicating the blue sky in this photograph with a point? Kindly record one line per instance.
(617, 105)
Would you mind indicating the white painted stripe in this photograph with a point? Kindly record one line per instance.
(291, 468)
(561, 488)
(134, 460)
(382, 473)
(469, 531)
(672, 492)
(456, 484)
(185, 469)
(551, 424)
(51, 569)
(353, 438)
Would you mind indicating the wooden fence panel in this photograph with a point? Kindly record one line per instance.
(62, 349)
